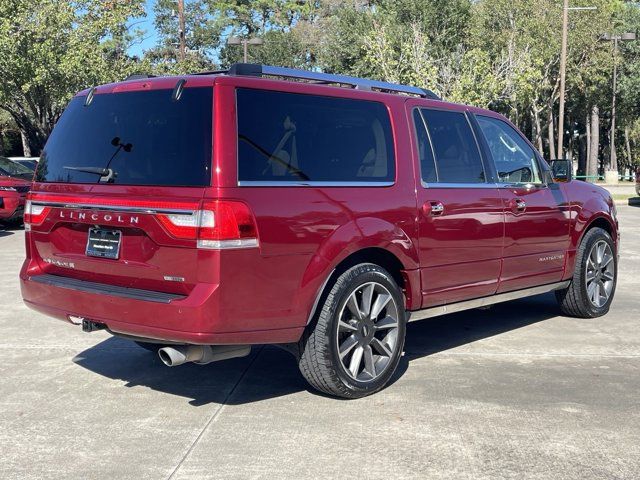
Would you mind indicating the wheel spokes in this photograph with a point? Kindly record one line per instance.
(347, 346)
(352, 305)
(379, 304)
(369, 361)
(381, 347)
(386, 323)
(367, 299)
(366, 345)
(356, 360)
(347, 326)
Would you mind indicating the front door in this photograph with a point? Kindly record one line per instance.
(460, 213)
(537, 215)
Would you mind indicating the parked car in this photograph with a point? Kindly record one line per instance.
(29, 162)
(638, 181)
(200, 215)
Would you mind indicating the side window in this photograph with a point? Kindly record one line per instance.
(457, 156)
(427, 163)
(515, 160)
(288, 137)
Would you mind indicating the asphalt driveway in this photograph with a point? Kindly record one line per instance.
(515, 391)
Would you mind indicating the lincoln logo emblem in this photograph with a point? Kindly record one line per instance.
(99, 217)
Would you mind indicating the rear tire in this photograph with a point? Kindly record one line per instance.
(357, 340)
(594, 279)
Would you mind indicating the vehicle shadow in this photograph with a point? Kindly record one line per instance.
(7, 229)
(271, 372)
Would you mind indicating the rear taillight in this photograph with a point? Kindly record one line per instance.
(217, 224)
(34, 214)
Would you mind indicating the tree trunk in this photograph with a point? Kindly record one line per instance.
(587, 127)
(537, 128)
(583, 153)
(550, 134)
(627, 147)
(595, 144)
(26, 148)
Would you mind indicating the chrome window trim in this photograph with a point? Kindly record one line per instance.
(294, 183)
(87, 206)
(459, 185)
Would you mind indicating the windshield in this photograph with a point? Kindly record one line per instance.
(132, 138)
(10, 168)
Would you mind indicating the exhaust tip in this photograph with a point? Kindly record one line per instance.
(171, 356)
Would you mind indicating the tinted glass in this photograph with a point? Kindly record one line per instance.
(457, 156)
(298, 138)
(10, 168)
(145, 138)
(515, 160)
(427, 164)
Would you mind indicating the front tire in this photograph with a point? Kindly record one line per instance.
(357, 341)
(594, 279)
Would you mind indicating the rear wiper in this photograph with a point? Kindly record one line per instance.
(106, 174)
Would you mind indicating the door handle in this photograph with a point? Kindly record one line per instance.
(433, 209)
(518, 205)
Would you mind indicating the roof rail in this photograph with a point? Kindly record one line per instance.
(257, 70)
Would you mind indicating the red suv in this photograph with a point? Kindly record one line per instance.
(200, 215)
(15, 182)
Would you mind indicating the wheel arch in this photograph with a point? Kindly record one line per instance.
(406, 279)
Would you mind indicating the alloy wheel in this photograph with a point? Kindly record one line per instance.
(600, 274)
(367, 333)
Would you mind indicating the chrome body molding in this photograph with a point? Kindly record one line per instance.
(485, 301)
(297, 183)
(109, 208)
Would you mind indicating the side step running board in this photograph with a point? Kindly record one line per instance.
(485, 301)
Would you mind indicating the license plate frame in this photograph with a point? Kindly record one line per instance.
(103, 243)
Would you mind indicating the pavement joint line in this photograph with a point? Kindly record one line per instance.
(215, 415)
(496, 354)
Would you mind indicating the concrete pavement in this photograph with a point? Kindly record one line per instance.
(515, 391)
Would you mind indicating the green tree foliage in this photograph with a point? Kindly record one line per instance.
(51, 49)
(202, 37)
(500, 54)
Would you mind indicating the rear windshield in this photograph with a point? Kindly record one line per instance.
(132, 138)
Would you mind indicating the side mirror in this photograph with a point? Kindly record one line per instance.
(561, 170)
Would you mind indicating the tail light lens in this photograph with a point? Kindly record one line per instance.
(217, 224)
(34, 214)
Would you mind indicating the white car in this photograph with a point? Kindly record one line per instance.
(29, 162)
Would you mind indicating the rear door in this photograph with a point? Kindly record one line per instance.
(537, 214)
(460, 210)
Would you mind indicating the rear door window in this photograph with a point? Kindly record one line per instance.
(455, 149)
(140, 138)
(287, 137)
(428, 170)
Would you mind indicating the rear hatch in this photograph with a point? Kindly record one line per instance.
(120, 185)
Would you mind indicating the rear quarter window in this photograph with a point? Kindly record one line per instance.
(287, 137)
(144, 137)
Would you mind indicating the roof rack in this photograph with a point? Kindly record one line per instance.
(257, 70)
